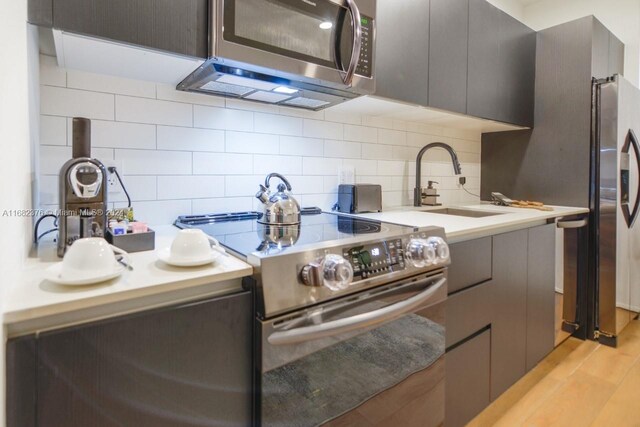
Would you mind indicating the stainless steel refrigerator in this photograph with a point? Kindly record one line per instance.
(616, 232)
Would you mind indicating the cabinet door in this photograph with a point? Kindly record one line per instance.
(508, 330)
(21, 382)
(402, 50)
(484, 60)
(182, 366)
(174, 26)
(468, 387)
(448, 38)
(541, 293)
(516, 87)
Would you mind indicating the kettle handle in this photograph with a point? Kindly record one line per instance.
(277, 175)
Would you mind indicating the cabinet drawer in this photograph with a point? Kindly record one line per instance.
(467, 390)
(470, 263)
(468, 311)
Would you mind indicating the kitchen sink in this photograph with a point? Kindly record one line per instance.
(471, 213)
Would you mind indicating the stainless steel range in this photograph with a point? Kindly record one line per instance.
(349, 317)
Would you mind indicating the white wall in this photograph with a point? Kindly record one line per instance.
(16, 42)
(621, 17)
(185, 153)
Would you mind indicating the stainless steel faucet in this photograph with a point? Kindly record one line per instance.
(417, 192)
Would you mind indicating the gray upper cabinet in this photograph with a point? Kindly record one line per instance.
(465, 56)
(402, 50)
(169, 25)
(448, 40)
(501, 64)
(484, 60)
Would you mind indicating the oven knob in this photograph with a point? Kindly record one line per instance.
(333, 271)
(442, 249)
(421, 253)
(336, 272)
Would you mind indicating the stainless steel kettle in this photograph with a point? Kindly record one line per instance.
(280, 208)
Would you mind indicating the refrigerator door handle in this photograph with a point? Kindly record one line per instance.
(631, 141)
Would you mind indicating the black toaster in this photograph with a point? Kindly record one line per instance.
(359, 198)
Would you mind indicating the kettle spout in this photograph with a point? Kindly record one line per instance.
(263, 194)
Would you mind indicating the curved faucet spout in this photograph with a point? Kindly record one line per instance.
(417, 192)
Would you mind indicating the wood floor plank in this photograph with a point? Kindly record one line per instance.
(623, 408)
(608, 364)
(576, 403)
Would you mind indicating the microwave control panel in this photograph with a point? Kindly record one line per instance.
(365, 64)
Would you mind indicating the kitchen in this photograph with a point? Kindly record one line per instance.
(182, 154)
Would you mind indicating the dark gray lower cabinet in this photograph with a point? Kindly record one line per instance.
(188, 365)
(21, 382)
(541, 293)
(508, 328)
(502, 287)
(468, 379)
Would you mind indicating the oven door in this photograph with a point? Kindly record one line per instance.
(376, 358)
(326, 40)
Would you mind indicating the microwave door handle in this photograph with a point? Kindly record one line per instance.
(359, 321)
(347, 78)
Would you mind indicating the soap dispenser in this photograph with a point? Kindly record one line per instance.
(430, 194)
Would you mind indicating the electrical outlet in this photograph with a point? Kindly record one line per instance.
(113, 185)
(347, 175)
(462, 181)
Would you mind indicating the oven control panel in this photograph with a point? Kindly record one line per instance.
(375, 259)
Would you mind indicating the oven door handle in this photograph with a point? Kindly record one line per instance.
(359, 321)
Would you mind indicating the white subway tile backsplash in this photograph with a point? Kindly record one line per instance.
(222, 164)
(123, 135)
(362, 167)
(392, 137)
(392, 167)
(185, 152)
(279, 125)
(222, 204)
(298, 146)
(287, 165)
(247, 142)
(377, 151)
(110, 84)
(320, 166)
(141, 110)
(342, 149)
(190, 187)
(190, 139)
(305, 184)
(57, 101)
(139, 187)
(242, 185)
(53, 130)
(169, 93)
(160, 212)
(320, 129)
(222, 118)
(360, 134)
(147, 162)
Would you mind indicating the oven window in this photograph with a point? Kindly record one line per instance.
(306, 30)
(392, 374)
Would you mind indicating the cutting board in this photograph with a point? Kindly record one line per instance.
(525, 204)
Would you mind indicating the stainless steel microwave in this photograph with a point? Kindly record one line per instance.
(300, 53)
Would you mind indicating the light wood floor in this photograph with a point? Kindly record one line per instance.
(581, 383)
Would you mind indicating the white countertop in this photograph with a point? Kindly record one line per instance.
(460, 228)
(35, 304)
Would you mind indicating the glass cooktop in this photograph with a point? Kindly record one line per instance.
(242, 233)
